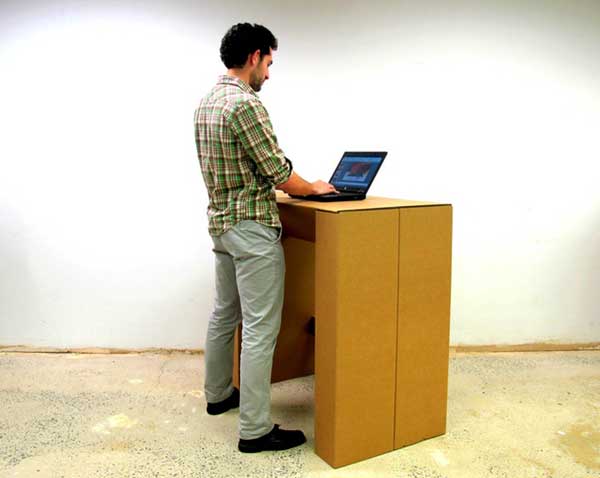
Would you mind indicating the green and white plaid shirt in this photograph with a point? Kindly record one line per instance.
(240, 159)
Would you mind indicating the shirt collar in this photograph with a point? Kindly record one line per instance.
(232, 80)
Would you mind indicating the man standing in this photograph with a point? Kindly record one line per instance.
(241, 165)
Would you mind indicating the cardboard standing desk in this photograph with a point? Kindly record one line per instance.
(367, 309)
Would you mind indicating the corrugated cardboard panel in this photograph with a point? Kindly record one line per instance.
(326, 357)
(423, 323)
(356, 300)
(297, 221)
(370, 202)
(295, 350)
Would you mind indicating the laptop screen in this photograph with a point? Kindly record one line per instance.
(356, 171)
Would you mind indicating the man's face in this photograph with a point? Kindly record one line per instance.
(260, 73)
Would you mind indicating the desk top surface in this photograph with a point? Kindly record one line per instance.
(371, 202)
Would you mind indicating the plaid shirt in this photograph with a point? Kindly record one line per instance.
(240, 159)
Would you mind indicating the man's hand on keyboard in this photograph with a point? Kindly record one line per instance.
(321, 187)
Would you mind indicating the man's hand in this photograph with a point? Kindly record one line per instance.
(296, 185)
(321, 187)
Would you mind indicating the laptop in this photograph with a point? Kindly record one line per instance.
(352, 177)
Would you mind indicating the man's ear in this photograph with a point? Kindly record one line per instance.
(254, 58)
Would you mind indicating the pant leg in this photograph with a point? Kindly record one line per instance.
(260, 272)
(218, 357)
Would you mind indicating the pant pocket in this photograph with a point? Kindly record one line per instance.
(270, 234)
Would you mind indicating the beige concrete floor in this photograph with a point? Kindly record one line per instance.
(514, 415)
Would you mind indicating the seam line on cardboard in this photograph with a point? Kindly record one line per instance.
(397, 328)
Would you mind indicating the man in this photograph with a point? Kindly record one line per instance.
(241, 165)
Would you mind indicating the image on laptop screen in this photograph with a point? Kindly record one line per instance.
(356, 171)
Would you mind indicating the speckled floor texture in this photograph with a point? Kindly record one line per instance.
(514, 415)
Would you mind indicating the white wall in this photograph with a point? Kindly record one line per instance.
(493, 106)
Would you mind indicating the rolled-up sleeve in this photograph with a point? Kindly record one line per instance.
(251, 124)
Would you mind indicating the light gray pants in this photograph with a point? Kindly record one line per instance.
(250, 270)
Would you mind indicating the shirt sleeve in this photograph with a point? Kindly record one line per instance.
(251, 124)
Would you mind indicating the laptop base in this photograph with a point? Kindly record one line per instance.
(331, 197)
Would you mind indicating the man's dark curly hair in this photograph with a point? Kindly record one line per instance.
(243, 39)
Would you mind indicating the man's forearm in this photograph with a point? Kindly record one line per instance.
(296, 185)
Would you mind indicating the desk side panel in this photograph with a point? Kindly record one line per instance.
(295, 351)
(356, 300)
(423, 323)
(325, 337)
(297, 222)
(294, 354)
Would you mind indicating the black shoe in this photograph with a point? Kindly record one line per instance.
(276, 439)
(221, 407)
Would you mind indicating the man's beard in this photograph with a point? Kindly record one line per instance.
(256, 82)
